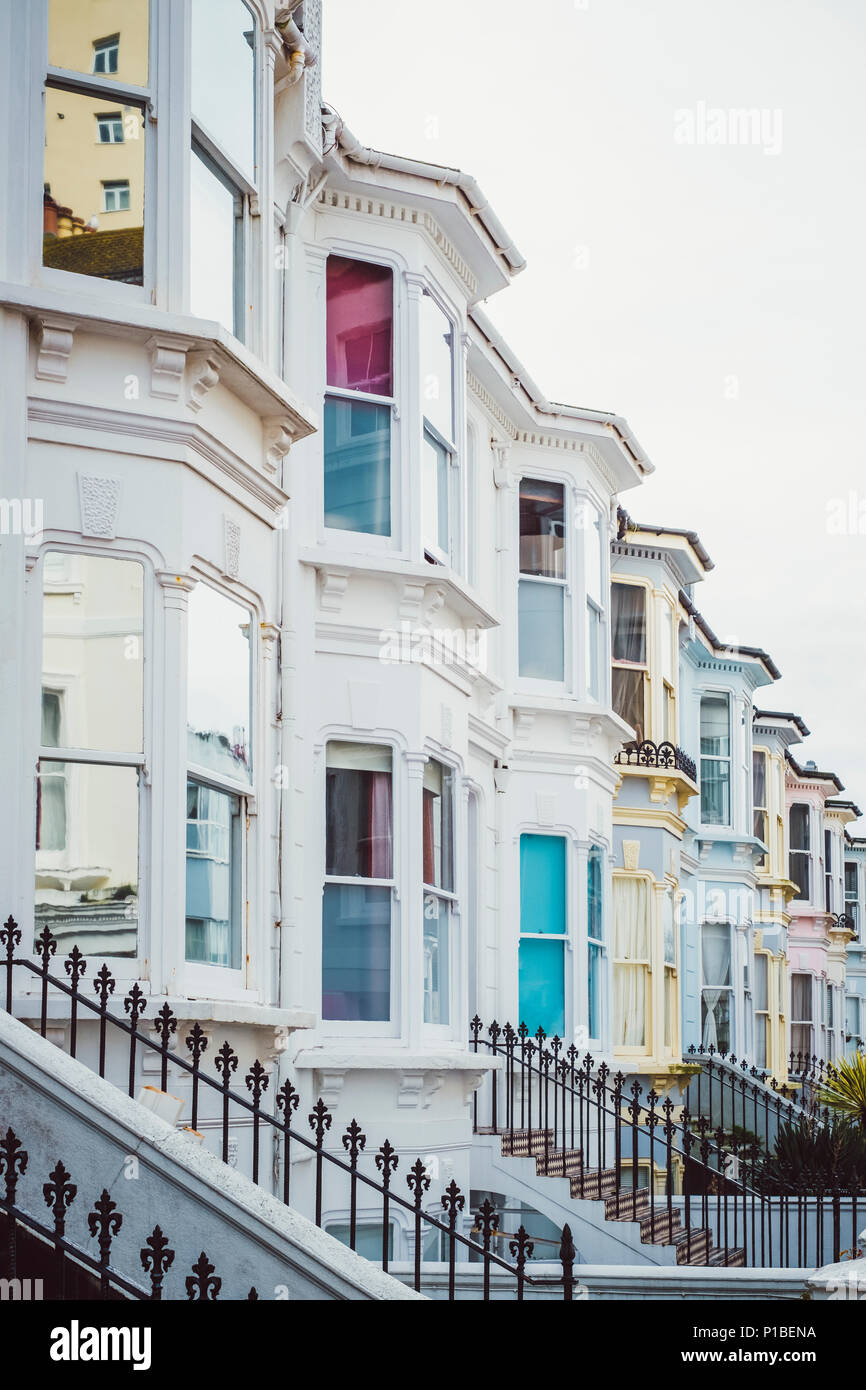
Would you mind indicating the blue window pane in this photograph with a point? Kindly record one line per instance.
(542, 985)
(212, 877)
(542, 884)
(594, 983)
(358, 466)
(356, 953)
(541, 630)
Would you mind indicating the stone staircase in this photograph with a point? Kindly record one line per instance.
(693, 1244)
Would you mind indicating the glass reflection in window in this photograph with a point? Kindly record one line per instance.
(223, 78)
(218, 684)
(213, 876)
(102, 37)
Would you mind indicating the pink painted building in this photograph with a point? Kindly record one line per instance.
(819, 933)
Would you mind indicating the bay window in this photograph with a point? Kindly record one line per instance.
(668, 671)
(439, 452)
(543, 932)
(438, 879)
(541, 588)
(224, 172)
(629, 652)
(219, 776)
(799, 849)
(760, 814)
(594, 579)
(360, 396)
(715, 760)
(359, 883)
(94, 189)
(802, 1025)
(716, 986)
(595, 940)
(632, 969)
(91, 755)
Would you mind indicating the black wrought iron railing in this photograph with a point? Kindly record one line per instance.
(656, 755)
(734, 1092)
(339, 1181)
(60, 1268)
(580, 1119)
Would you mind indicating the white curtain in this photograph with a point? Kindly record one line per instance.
(716, 955)
(631, 909)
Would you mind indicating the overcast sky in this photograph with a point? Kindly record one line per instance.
(710, 292)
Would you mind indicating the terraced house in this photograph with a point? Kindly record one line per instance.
(394, 858)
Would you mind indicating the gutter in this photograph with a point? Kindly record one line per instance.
(479, 206)
(301, 56)
(753, 653)
(616, 423)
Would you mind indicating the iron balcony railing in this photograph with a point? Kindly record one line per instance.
(580, 1119)
(280, 1120)
(656, 755)
(747, 1092)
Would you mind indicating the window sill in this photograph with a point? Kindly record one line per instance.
(28, 1009)
(459, 596)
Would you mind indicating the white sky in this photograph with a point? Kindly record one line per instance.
(660, 270)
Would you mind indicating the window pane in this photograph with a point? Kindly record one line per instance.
(436, 923)
(716, 954)
(715, 726)
(543, 884)
(759, 780)
(715, 792)
(216, 247)
(801, 997)
(799, 826)
(437, 369)
(218, 684)
(87, 857)
(716, 1020)
(358, 811)
(542, 528)
(223, 78)
(592, 555)
(593, 639)
(669, 928)
(627, 693)
(356, 953)
(360, 325)
(368, 1238)
(93, 203)
(799, 870)
(667, 644)
(79, 39)
(594, 989)
(438, 826)
(542, 985)
(214, 847)
(92, 655)
(851, 881)
(761, 1004)
(594, 891)
(358, 467)
(801, 1041)
(628, 612)
(541, 630)
(435, 464)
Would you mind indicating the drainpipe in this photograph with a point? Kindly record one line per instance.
(447, 178)
(301, 56)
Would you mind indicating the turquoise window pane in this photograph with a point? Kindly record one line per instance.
(541, 630)
(594, 990)
(358, 466)
(356, 952)
(542, 885)
(542, 985)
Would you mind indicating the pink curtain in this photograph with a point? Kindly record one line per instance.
(380, 825)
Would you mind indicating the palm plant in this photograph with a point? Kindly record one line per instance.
(844, 1089)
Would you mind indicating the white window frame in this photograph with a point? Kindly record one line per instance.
(376, 1028)
(537, 684)
(728, 989)
(807, 854)
(334, 535)
(117, 188)
(714, 693)
(103, 47)
(111, 121)
(618, 664)
(220, 981)
(452, 559)
(452, 900)
(809, 1022)
(124, 968)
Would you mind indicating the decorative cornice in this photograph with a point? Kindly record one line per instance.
(180, 434)
(333, 200)
(167, 364)
(278, 440)
(491, 405)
